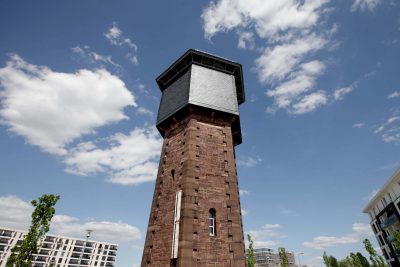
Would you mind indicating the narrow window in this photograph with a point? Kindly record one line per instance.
(173, 175)
(211, 222)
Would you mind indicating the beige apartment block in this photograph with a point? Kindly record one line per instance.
(60, 251)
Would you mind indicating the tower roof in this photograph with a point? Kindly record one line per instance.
(192, 56)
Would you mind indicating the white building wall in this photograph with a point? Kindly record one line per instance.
(59, 251)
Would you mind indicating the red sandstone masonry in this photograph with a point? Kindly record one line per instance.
(200, 154)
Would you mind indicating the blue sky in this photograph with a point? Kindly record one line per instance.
(321, 121)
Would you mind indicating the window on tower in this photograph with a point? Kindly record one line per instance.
(211, 222)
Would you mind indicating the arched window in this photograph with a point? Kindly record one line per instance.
(211, 222)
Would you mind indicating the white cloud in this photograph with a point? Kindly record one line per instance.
(310, 102)
(269, 17)
(314, 261)
(358, 125)
(265, 244)
(321, 242)
(246, 40)
(394, 94)
(390, 130)
(115, 232)
(277, 62)
(272, 226)
(51, 109)
(249, 162)
(93, 57)
(290, 94)
(360, 231)
(365, 5)
(266, 236)
(16, 213)
(114, 35)
(127, 159)
(288, 212)
(244, 212)
(144, 111)
(288, 30)
(338, 94)
(243, 192)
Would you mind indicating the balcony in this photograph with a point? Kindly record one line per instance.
(73, 261)
(389, 221)
(44, 252)
(79, 243)
(49, 239)
(75, 255)
(6, 233)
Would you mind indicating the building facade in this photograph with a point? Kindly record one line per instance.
(384, 212)
(60, 251)
(195, 217)
(266, 257)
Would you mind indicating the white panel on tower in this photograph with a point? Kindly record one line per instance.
(177, 216)
(213, 89)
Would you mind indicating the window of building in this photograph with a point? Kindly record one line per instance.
(211, 222)
(382, 243)
(385, 254)
(374, 228)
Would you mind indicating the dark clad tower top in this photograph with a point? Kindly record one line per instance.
(201, 81)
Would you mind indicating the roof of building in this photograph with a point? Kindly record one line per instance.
(382, 191)
(192, 56)
(59, 236)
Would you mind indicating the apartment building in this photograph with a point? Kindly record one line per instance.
(384, 212)
(60, 251)
(267, 257)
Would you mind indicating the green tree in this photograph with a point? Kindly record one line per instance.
(396, 241)
(283, 257)
(326, 260)
(333, 261)
(356, 260)
(377, 260)
(22, 255)
(363, 260)
(251, 259)
(346, 262)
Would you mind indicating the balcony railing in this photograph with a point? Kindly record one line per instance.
(389, 221)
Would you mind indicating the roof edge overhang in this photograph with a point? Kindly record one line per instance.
(192, 56)
(383, 188)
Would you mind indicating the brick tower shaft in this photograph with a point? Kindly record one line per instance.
(197, 159)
